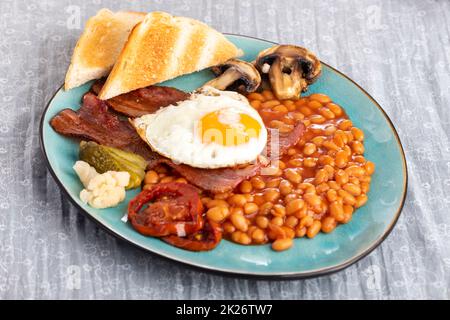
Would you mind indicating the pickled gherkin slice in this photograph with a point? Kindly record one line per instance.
(104, 159)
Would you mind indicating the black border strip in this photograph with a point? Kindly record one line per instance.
(280, 276)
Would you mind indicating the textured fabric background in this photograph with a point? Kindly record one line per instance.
(398, 50)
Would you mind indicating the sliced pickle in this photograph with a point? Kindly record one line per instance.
(104, 158)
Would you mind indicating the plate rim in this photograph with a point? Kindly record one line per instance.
(244, 274)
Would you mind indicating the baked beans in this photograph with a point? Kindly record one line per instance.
(317, 185)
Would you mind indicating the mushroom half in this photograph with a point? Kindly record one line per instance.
(236, 73)
(290, 68)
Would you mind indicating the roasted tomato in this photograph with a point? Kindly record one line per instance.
(206, 239)
(172, 209)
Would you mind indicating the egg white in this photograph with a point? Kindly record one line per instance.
(172, 131)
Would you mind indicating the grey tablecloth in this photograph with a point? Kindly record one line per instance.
(398, 50)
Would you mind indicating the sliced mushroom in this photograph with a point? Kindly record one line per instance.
(236, 73)
(290, 68)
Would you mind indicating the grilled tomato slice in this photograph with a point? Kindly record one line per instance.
(167, 209)
(206, 239)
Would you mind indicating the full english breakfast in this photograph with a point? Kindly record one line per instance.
(247, 157)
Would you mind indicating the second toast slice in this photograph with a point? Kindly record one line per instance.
(163, 47)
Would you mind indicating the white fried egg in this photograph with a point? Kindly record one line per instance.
(213, 129)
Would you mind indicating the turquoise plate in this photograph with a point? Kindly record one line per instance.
(326, 252)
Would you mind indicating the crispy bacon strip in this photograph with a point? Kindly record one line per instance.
(226, 179)
(142, 101)
(214, 180)
(93, 121)
(282, 141)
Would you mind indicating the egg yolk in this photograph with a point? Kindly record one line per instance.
(228, 128)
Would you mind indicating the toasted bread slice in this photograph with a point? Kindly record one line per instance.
(99, 46)
(163, 47)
